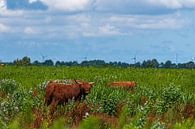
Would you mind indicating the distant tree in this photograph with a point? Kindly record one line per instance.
(137, 64)
(48, 62)
(58, 63)
(150, 64)
(144, 64)
(17, 62)
(114, 64)
(167, 64)
(181, 65)
(75, 63)
(173, 65)
(96, 63)
(161, 65)
(190, 65)
(69, 63)
(124, 65)
(154, 63)
(26, 61)
(36, 62)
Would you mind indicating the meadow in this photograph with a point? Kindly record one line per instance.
(163, 98)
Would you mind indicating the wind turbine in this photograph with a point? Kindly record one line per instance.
(176, 58)
(193, 59)
(134, 59)
(43, 57)
(85, 58)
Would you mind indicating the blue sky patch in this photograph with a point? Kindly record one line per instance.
(24, 4)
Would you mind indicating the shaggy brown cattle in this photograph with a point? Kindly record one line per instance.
(60, 93)
(124, 84)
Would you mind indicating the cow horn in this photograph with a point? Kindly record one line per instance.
(77, 82)
(91, 83)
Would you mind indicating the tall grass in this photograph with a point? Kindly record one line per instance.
(162, 98)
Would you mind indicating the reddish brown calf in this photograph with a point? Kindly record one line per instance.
(124, 84)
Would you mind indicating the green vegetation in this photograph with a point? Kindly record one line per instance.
(163, 98)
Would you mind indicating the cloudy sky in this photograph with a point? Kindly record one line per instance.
(112, 30)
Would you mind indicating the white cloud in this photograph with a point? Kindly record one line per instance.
(2, 5)
(142, 6)
(32, 1)
(167, 23)
(30, 30)
(67, 5)
(11, 13)
(91, 24)
(117, 25)
(116, 6)
(4, 28)
(108, 30)
(100, 31)
(174, 4)
(149, 22)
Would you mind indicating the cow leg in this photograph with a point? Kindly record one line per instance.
(54, 104)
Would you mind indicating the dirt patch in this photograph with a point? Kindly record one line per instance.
(151, 118)
(189, 111)
(144, 100)
(2, 94)
(38, 114)
(79, 112)
(107, 119)
(35, 93)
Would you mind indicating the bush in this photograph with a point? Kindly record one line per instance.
(19, 101)
(2, 124)
(90, 122)
(110, 106)
(8, 86)
(158, 125)
(8, 110)
(171, 94)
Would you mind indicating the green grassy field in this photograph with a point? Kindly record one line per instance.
(161, 99)
(31, 76)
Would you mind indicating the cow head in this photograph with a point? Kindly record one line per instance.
(85, 85)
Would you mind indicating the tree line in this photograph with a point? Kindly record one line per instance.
(153, 63)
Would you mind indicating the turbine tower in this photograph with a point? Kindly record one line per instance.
(43, 57)
(134, 59)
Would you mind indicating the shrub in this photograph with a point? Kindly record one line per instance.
(8, 110)
(171, 94)
(110, 106)
(58, 124)
(8, 86)
(90, 122)
(14, 125)
(19, 101)
(3, 124)
(158, 125)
